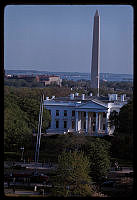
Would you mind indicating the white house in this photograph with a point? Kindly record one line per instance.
(81, 114)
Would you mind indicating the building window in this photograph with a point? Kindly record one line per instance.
(84, 114)
(104, 114)
(57, 124)
(57, 112)
(65, 124)
(73, 124)
(73, 113)
(104, 127)
(93, 127)
(65, 113)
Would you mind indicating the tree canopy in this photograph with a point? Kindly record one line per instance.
(122, 142)
(73, 178)
(21, 114)
(126, 119)
(98, 153)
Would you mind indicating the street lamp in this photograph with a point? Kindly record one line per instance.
(22, 149)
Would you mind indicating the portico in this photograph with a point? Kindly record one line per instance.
(91, 122)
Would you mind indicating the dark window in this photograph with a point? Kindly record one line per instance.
(104, 126)
(104, 114)
(84, 114)
(57, 124)
(49, 125)
(65, 124)
(93, 127)
(65, 112)
(73, 113)
(57, 112)
(73, 124)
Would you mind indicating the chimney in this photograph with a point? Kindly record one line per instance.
(112, 97)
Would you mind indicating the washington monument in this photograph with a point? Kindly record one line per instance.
(95, 53)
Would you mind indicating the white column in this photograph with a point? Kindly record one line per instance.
(96, 122)
(106, 126)
(86, 122)
(76, 120)
(79, 123)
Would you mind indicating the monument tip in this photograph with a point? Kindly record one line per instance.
(96, 14)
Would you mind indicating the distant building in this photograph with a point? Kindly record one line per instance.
(28, 78)
(82, 114)
(48, 80)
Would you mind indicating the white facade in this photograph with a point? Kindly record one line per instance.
(80, 115)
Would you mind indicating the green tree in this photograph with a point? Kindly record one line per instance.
(126, 119)
(21, 115)
(98, 152)
(122, 147)
(122, 143)
(16, 130)
(73, 178)
(114, 120)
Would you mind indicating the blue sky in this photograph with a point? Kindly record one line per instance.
(58, 38)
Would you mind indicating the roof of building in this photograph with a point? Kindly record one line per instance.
(76, 102)
(81, 101)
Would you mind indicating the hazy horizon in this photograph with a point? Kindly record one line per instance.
(63, 71)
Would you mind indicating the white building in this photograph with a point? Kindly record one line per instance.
(81, 114)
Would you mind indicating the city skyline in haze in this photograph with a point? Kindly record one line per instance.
(58, 38)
